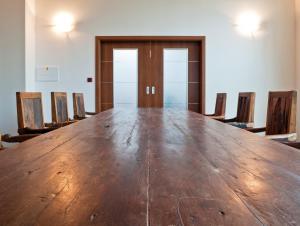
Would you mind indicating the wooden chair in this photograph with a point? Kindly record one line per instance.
(59, 106)
(1, 145)
(220, 107)
(79, 109)
(245, 111)
(17, 139)
(30, 114)
(281, 116)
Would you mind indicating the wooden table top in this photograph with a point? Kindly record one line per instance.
(149, 167)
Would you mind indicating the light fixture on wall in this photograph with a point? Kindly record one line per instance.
(63, 22)
(248, 23)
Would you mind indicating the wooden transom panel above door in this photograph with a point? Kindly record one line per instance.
(150, 69)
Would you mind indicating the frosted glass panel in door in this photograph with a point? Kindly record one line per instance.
(175, 78)
(125, 76)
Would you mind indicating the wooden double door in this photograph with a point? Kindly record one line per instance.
(150, 70)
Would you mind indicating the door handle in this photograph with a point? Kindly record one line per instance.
(147, 90)
(153, 90)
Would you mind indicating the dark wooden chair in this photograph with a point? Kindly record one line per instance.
(245, 111)
(59, 106)
(30, 114)
(220, 107)
(79, 108)
(281, 117)
(1, 145)
(17, 139)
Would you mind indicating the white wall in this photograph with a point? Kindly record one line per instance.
(234, 63)
(12, 61)
(298, 57)
(30, 45)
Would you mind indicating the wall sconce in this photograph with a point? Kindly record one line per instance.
(63, 22)
(248, 23)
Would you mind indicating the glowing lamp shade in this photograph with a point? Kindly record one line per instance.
(248, 23)
(63, 22)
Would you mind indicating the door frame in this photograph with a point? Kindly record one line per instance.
(100, 39)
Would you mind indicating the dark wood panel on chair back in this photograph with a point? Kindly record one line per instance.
(1, 146)
(245, 112)
(30, 110)
(78, 104)
(220, 104)
(59, 105)
(281, 116)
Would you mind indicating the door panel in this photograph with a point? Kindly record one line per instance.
(194, 65)
(144, 75)
(175, 78)
(156, 75)
(107, 71)
(125, 81)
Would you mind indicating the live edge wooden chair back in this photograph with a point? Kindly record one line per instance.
(245, 110)
(30, 114)
(30, 110)
(78, 105)
(281, 116)
(220, 107)
(79, 108)
(221, 104)
(1, 145)
(59, 106)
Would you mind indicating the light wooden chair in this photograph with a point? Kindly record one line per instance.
(281, 117)
(79, 108)
(220, 107)
(245, 111)
(30, 114)
(59, 107)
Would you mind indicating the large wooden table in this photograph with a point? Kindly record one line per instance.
(149, 167)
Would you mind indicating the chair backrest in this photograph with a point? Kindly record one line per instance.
(220, 104)
(30, 110)
(59, 106)
(78, 105)
(1, 145)
(281, 115)
(245, 111)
